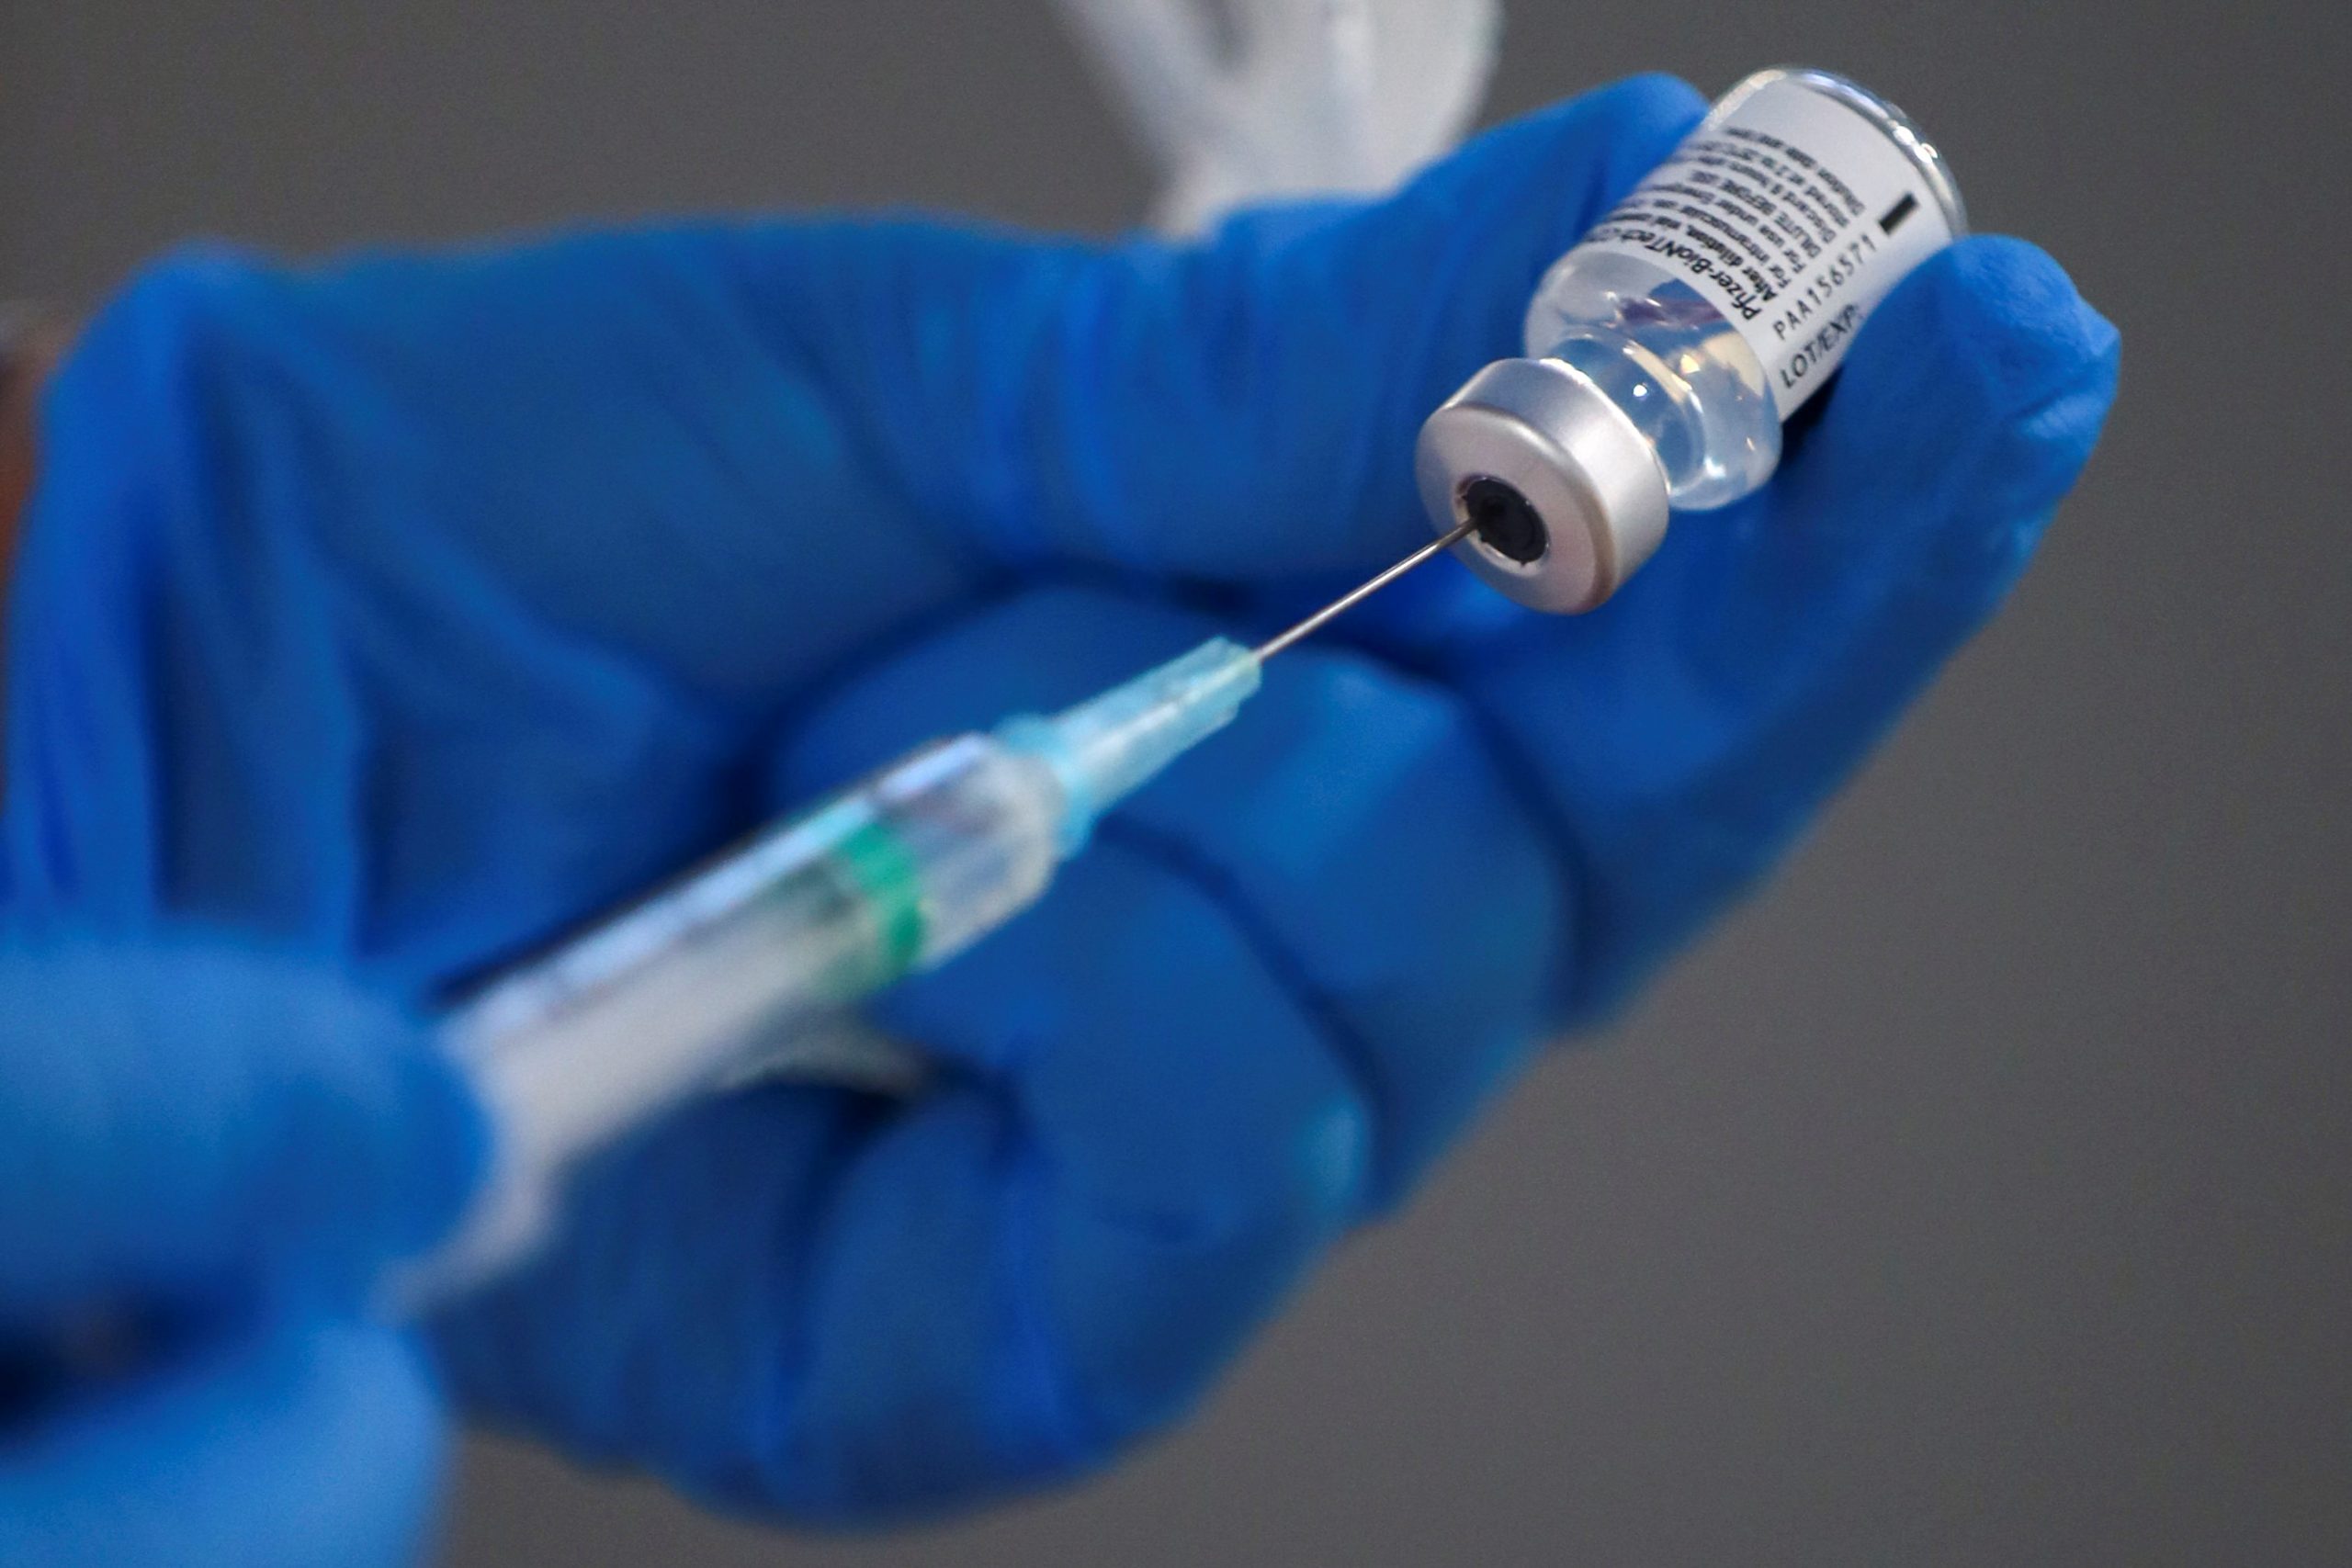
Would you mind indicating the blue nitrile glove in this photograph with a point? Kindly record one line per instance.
(205, 1158)
(414, 608)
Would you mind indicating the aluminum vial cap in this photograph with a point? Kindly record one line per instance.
(1567, 496)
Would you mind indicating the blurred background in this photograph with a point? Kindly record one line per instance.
(1982, 1193)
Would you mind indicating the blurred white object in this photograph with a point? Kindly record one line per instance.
(1242, 101)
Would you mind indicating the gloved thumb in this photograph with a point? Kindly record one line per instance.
(1239, 406)
(188, 1118)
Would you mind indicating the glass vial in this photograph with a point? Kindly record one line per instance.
(1666, 350)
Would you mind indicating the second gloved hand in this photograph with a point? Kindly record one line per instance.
(414, 609)
(206, 1157)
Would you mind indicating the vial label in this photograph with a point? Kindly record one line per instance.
(1794, 214)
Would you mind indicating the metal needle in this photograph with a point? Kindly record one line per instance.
(1357, 594)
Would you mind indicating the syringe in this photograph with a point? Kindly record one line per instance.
(743, 960)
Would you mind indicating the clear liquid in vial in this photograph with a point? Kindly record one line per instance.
(1672, 362)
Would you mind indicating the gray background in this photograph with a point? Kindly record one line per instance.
(1984, 1194)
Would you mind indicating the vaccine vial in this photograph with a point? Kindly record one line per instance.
(1666, 349)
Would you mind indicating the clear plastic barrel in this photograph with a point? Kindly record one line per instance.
(731, 965)
(1669, 358)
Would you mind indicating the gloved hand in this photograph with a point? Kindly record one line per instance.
(204, 1158)
(413, 608)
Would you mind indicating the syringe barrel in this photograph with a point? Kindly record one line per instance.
(712, 973)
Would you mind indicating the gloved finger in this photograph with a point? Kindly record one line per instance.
(295, 1448)
(192, 1118)
(1684, 733)
(1237, 407)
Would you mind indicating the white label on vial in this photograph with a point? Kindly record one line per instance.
(1792, 213)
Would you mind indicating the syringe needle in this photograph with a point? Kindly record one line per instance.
(1361, 592)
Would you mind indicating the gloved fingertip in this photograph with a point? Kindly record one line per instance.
(446, 1140)
(1530, 187)
(1988, 332)
(1622, 129)
(212, 1113)
(1643, 117)
(1970, 403)
(373, 1112)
